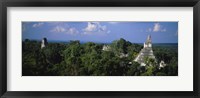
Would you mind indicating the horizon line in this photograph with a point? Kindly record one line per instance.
(94, 41)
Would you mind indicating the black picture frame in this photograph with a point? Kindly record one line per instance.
(99, 3)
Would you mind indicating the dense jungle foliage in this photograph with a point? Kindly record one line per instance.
(88, 59)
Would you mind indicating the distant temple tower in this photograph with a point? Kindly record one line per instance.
(44, 43)
(148, 42)
(106, 48)
(145, 52)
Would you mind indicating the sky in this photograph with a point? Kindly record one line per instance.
(105, 32)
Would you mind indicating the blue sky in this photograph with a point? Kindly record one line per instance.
(135, 32)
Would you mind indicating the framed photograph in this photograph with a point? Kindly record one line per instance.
(74, 48)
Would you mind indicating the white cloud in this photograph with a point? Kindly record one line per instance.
(157, 28)
(92, 26)
(39, 24)
(67, 30)
(95, 27)
(58, 29)
(108, 32)
(113, 22)
(163, 30)
(72, 31)
(149, 30)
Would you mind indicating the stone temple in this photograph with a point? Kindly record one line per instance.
(44, 43)
(145, 52)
